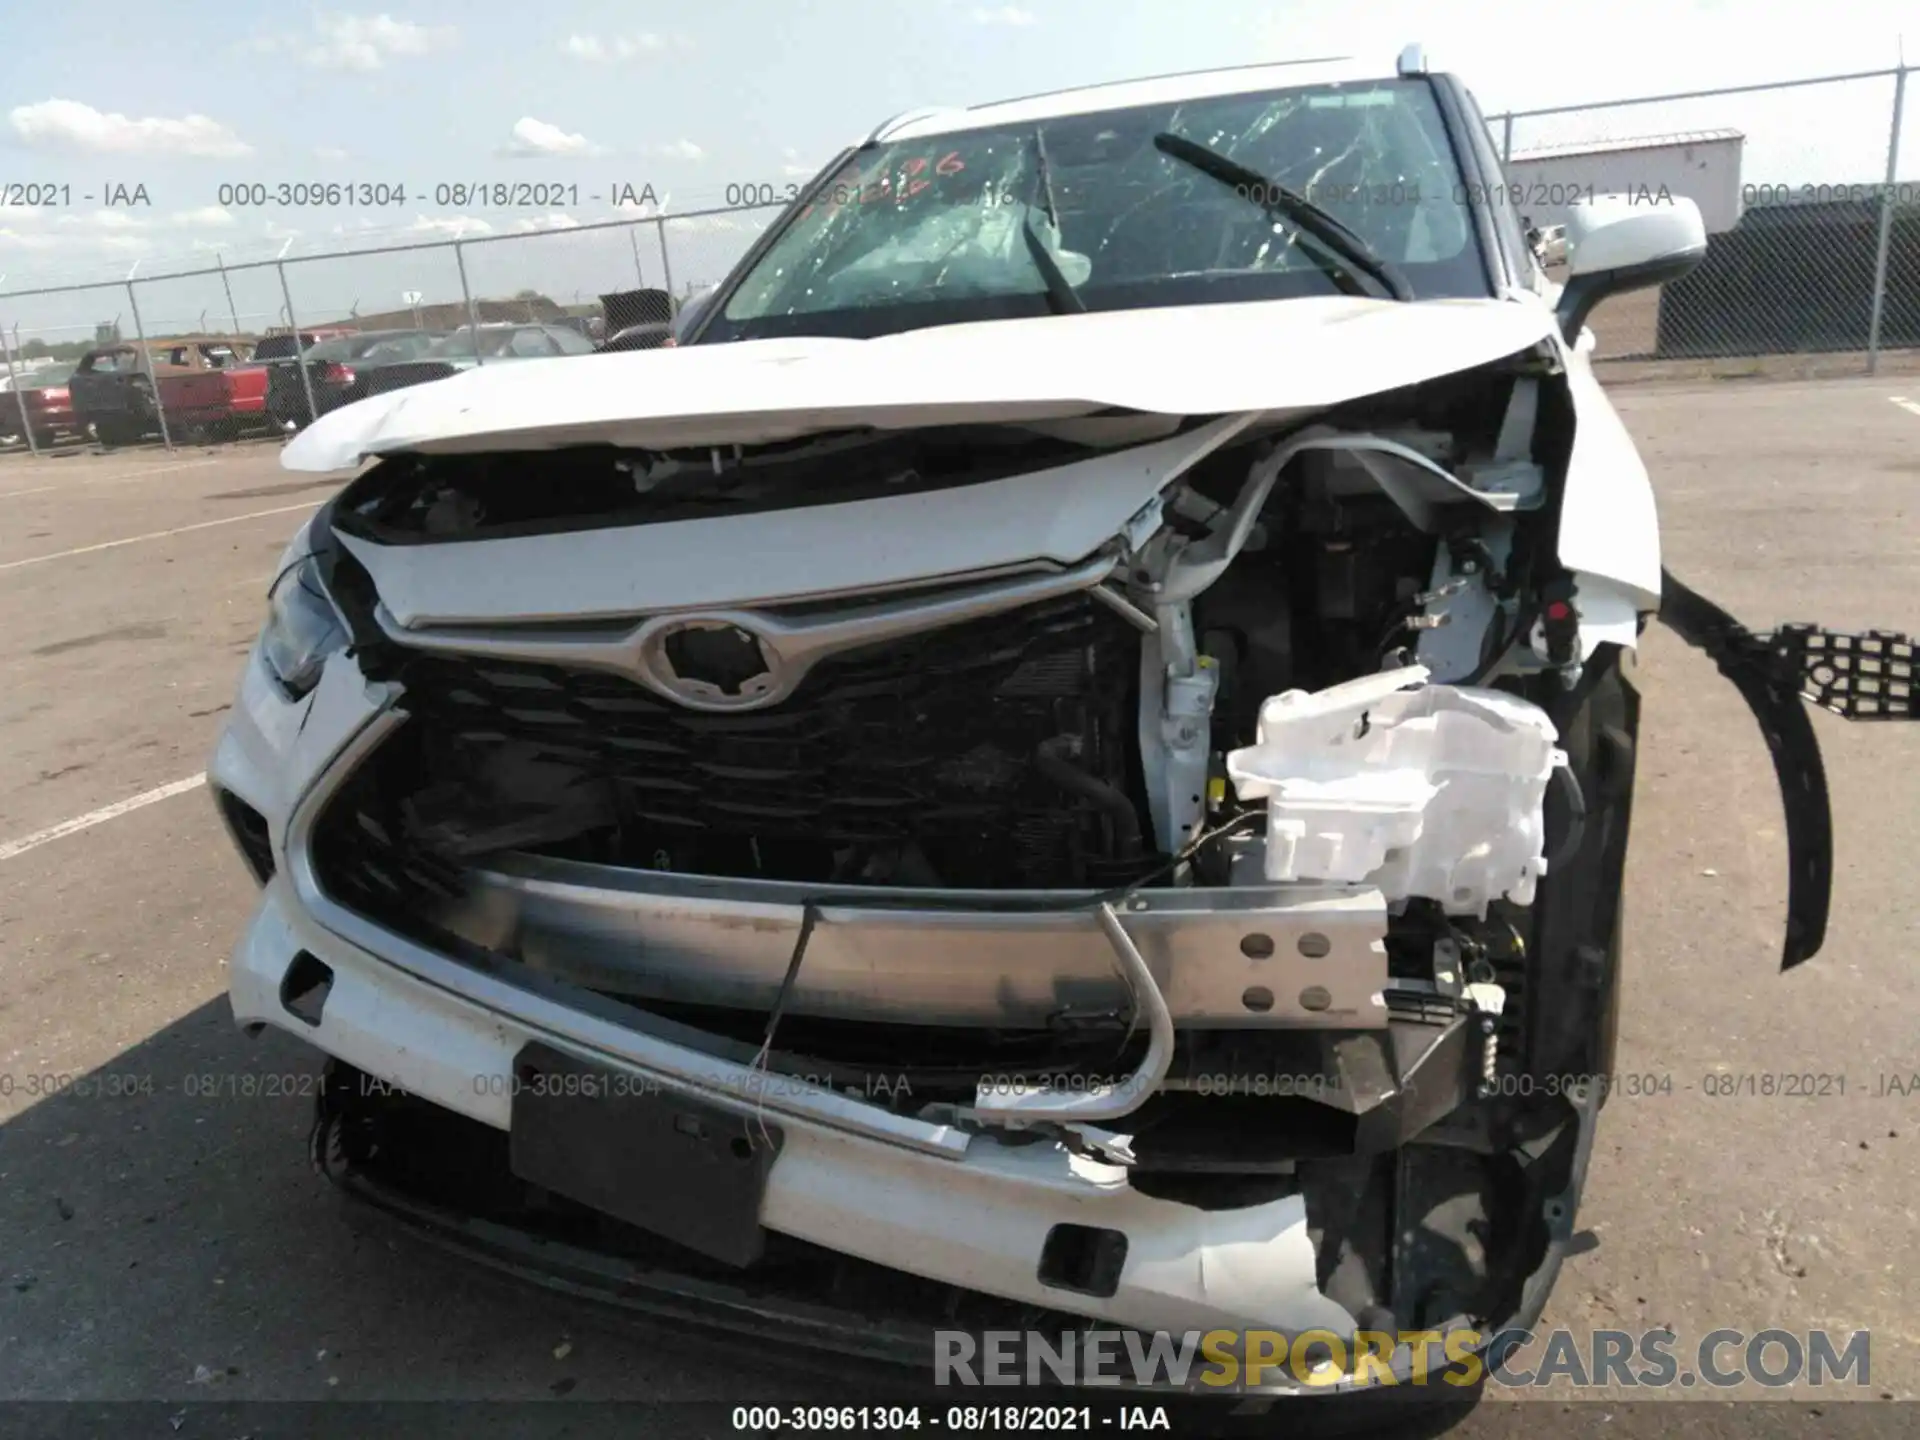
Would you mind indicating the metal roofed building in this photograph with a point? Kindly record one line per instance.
(1703, 165)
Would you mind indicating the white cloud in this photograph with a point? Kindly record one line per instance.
(679, 150)
(332, 154)
(596, 51)
(108, 220)
(536, 138)
(215, 216)
(793, 169)
(71, 126)
(452, 227)
(1004, 15)
(128, 232)
(558, 220)
(22, 240)
(367, 42)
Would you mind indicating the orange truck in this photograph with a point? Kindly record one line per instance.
(203, 382)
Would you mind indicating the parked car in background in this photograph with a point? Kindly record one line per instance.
(659, 334)
(38, 399)
(462, 350)
(277, 354)
(204, 382)
(466, 346)
(334, 371)
(279, 349)
(21, 368)
(650, 336)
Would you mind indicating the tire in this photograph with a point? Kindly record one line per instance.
(1577, 945)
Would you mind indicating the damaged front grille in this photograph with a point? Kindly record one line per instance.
(992, 754)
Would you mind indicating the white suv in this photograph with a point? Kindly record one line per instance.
(1065, 754)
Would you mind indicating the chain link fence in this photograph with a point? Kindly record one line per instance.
(1813, 233)
(1814, 251)
(230, 352)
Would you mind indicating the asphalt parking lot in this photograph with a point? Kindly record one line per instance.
(172, 1244)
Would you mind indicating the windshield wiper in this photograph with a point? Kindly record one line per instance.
(1060, 292)
(1061, 296)
(1277, 200)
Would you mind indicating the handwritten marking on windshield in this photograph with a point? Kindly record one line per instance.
(912, 182)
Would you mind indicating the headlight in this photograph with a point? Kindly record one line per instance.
(302, 628)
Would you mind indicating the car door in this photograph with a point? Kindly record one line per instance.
(99, 389)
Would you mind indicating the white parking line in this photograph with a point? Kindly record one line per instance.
(1906, 404)
(126, 475)
(11, 848)
(156, 535)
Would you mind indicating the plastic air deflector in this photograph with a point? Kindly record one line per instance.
(1866, 676)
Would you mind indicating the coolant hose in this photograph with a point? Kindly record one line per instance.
(1050, 759)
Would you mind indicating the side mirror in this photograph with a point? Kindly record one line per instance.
(1615, 245)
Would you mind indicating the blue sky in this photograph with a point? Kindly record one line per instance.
(184, 96)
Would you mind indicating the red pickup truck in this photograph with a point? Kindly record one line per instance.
(203, 382)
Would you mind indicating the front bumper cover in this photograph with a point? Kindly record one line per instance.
(970, 1212)
(852, 1327)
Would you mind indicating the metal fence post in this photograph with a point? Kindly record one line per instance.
(1886, 224)
(159, 405)
(227, 284)
(633, 243)
(473, 316)
(666, 267)
(1506, 140)
(26, 426)
(299, 355)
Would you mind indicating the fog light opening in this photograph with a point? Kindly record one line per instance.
(305, 987)
(1084, 1259)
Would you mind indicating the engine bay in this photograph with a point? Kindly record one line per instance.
(1077, 743)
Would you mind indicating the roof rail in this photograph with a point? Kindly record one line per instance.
(905, 117)
(1170, 75)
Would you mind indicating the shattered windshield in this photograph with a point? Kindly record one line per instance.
(931, 231)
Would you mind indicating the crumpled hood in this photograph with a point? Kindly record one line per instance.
(1292, 355)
